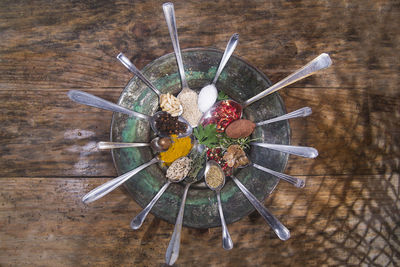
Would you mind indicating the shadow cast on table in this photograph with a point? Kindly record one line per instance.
(351, 217)
(342, 217)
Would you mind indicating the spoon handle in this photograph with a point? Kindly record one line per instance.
(302, 151)
(132, 68)
(109, 186)
(290, 179)
(321, 62)
(303, 112)
(94, 101)
(226, 237)
(112, 145)
(281, 231)
(230, 47)
(169, 14)
(173, 248)
(139, 219)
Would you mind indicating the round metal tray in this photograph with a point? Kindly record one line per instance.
(240, 81)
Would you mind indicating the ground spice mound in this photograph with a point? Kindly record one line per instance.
(191, 111)
(180, 147)
(214, 177)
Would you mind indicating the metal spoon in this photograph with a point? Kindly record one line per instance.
(290, 179)
(281, 231)
(303, 112)
(94, 101)
(172, 252)
(226, 238)
(297, 182)
(132, 68)
(321, 62)
(210, 90)
(169, 14)
(112, 145)
(109, 186)
(303, 151)
(139, 219)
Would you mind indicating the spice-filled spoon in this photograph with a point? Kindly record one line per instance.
(302, 151)
(210, 92)
(281, 231)
(321, 62)
(94, 101)
(173, 177)
(172, 252)
(162, 98)
(215, 180)
(302, 112)
(109, 186)
(187, 96)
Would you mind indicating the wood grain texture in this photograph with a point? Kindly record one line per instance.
(348, 213)
(346, 220)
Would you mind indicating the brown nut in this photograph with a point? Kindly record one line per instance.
(240, 128)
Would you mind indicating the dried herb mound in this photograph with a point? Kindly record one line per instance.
(198, 164)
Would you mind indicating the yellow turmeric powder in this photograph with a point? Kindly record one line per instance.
(180, 147)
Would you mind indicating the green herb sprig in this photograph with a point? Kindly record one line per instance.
(222, 96)
(207, 135)
(244, 143)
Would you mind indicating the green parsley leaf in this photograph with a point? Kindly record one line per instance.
(207, 135)
(222, 96)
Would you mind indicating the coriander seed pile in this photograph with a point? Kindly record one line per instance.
(214, 177)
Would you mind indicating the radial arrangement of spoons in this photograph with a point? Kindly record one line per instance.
(202, 136)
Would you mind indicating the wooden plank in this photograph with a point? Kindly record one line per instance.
(334, 220)
(44, 133)
(76, 44)
(347, 214)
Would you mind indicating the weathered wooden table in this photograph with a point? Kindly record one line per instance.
(348, 213)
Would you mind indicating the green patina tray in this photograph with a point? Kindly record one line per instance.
(240, 81)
